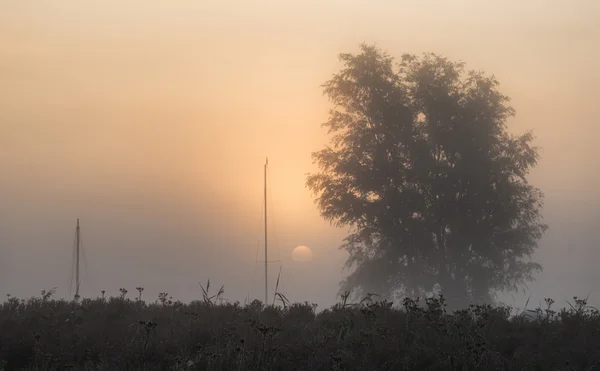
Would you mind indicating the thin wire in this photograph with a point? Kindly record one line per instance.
(260, 219)
(74, 251)
(270, 197)
(85, 264)
(274, 229)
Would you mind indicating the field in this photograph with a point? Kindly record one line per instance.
(121, 333)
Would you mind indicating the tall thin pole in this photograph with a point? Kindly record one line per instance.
(77, 261)
(266, 293)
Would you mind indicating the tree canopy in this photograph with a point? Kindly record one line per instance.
(422, 168)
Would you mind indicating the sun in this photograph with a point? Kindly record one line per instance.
(302, 254)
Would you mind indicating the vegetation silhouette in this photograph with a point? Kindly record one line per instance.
(128, 333)
(423, 170)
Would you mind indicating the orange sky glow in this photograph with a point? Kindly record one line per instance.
(142, 115)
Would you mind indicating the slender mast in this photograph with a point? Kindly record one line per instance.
(77, 261)
(266, 294)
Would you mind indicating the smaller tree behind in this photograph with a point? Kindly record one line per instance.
(424, 171)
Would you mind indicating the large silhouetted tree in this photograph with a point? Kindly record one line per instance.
(421, 166)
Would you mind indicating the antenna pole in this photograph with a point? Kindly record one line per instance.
(266, 293)
(77, 261)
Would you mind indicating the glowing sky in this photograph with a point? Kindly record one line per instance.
(150, 121)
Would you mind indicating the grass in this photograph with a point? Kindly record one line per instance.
(121, 333)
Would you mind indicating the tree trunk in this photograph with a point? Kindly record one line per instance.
(454, 291)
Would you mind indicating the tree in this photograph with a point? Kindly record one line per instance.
(423, 170)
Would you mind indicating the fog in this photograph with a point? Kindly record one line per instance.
(150, 121)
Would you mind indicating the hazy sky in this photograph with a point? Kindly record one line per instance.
(151, 120)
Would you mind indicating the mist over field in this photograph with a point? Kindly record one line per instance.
(151, 123)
